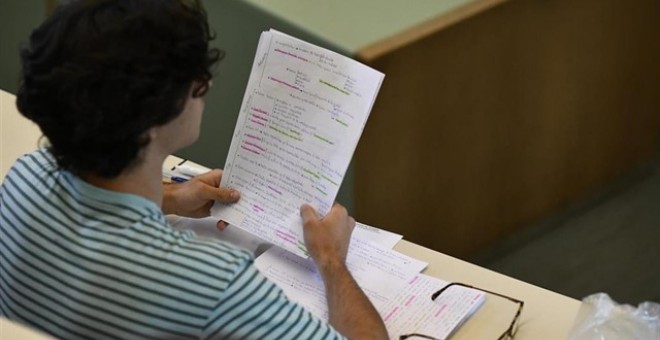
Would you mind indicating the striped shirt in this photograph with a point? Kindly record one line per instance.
(81, 262)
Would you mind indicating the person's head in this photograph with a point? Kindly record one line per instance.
(99, 76)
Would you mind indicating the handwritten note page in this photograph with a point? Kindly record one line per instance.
(206, 227)
(302, 115)
(376, 236)
(380, 272)
(413, 311)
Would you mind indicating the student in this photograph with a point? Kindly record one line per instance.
(85, 250)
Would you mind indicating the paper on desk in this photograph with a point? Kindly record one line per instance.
(206, 227)
(302, 115)
(380, 272)
(376, 236)
(390, 280)
(413, 311)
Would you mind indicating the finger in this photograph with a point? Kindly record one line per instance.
(223, 195)
(308, 214)
(221, 225)
(212, 177)
(231, 195)
(337, 205)
(337, 211)
(351, 223)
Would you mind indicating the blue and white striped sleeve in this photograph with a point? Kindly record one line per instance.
(252, 307)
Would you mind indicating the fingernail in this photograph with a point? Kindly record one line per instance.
(234, 194)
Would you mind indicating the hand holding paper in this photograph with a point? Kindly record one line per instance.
(194, 198)
(327, 240)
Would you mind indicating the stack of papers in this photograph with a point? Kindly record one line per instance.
(379, 271)
(302, 115)
(392, 281)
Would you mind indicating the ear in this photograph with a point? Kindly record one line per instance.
(153, 133)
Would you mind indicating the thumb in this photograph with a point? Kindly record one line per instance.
(224, 195)
(308, 214)
(221, 225)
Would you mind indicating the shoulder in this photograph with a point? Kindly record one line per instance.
(37, 158)
(37, 170)
(39, 163)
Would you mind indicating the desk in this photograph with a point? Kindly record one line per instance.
(547, 315)
(10, 330)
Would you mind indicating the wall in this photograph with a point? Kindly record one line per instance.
(505, 118)
(17, 19)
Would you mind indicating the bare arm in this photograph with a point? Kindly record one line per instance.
(327, 239)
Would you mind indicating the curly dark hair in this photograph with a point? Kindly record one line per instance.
(98, 74)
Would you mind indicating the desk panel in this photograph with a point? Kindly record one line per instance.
(501, 120)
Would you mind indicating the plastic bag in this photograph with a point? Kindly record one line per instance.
(601, 318)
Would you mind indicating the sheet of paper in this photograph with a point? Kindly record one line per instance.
(380, 272)
(413, 311)
(302, 115)
(376, 236)
(205, 227)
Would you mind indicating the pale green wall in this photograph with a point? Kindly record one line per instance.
(17, 19)
(237, 25)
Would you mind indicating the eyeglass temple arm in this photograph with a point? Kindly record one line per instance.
(436, 294)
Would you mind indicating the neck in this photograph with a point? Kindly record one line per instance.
(143, 179)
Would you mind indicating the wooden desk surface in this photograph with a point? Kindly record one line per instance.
(547, 315)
